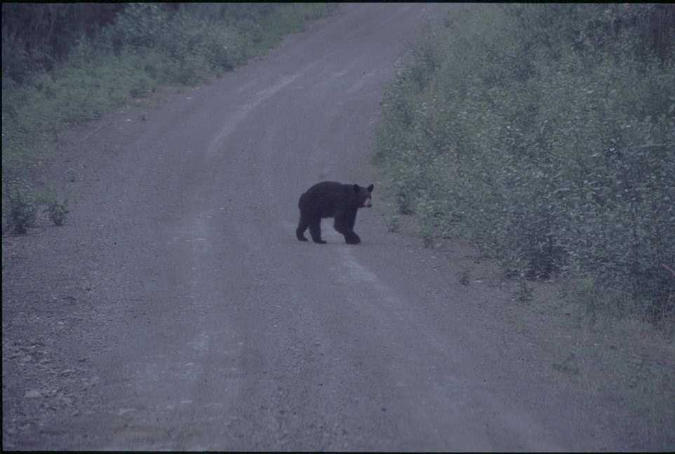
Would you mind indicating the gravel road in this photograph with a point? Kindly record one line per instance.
(177, 310)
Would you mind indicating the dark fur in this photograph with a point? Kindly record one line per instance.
(332, 200)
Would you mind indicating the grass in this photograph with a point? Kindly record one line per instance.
(607, 354)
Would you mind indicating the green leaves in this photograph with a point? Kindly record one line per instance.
(22, 208)
(549, 144)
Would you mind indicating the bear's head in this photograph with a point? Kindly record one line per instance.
(363, 195)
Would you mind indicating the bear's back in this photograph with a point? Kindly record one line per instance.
(324, 198)
(327, 187)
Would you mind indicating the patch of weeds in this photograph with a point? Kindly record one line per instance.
(524, 292)
(57, 212)
(584, 292)
(568, 365)
(141, 86)
(22, 208)
(464, 277)
(404, 203)
(594, 301)
(394, 223)
(55, 209)
(71, 175)
(427, 236)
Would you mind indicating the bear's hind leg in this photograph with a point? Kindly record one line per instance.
(352, 238)
(300, 231)
(315, 231)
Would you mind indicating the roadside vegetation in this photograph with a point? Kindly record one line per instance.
(64, 64)
(545, 134)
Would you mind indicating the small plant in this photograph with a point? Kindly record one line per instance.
(404, 203)
(57, 211)
(427, 236)
(394, 223)
(22, 209)
(71, 175)
(464, 277)
(524, 291)
(568, 365)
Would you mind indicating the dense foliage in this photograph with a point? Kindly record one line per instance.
(40, 37)
(546, 134)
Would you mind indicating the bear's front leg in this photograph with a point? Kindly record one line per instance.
(342, 225)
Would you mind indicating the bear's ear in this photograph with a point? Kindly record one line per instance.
(356, 188)
(370, 188)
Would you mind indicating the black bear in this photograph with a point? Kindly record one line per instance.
(330, 199)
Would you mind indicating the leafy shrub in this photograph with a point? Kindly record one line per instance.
(22, 208)
(36, 37)
(546, 134)
(57, 212)
(55, 209)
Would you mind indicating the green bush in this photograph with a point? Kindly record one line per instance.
(22, 208)
(544, 133)
(36, 37)
(57, 212)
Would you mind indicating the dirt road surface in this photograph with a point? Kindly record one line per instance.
(177, 310)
